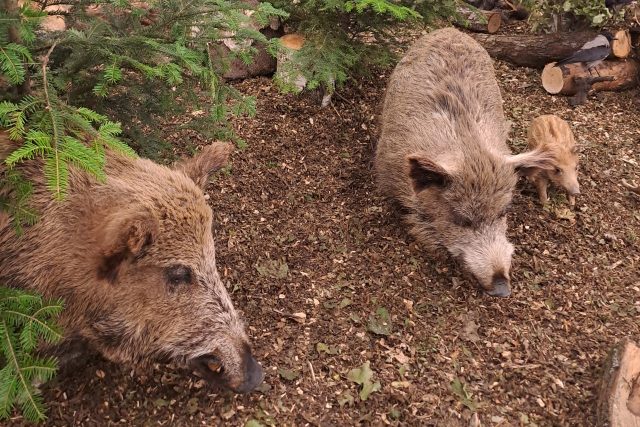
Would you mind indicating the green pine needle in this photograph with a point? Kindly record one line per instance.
(25, 321)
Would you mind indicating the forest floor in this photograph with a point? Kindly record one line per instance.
(317, 260)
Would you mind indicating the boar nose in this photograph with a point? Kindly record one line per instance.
(253, 373)
(500, 288)
(574, 190)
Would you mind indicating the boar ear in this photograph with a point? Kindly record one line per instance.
(525, 163)
(425, 173)
(209, 160)
(126, 235)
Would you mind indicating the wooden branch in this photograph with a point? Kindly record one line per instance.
(619, 400)
(622, 74)
(534, 50)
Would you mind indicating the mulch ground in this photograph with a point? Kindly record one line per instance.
(328, 281)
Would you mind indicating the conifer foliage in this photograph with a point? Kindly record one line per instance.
(345, 36)
(25, 321)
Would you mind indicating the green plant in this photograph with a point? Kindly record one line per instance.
(552, 13)
(345, 36)
(25, 321)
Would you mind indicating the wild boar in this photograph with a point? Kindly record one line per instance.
(442, 154)
(133, 258)
(552, 134)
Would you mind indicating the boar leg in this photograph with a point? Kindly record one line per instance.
(541, 184)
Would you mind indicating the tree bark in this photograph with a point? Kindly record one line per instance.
(619, 399)
(619, 75)
(533, 50)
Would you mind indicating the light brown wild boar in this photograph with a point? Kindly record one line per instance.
(134, 260)
(442, 154)
(552, 134)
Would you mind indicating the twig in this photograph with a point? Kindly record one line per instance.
(54, 127)
(45, 62)
(313, 374)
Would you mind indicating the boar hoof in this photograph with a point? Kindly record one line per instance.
(500, 288)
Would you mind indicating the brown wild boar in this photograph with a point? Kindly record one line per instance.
(442, 154)
(552, 134)
(134, 260)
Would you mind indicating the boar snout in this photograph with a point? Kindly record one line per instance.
(500, 288)
(240, 372)
(574, 190)
(487, 256)
(254, 374)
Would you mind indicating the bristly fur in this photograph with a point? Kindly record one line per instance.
(443, 107)
(106, 249)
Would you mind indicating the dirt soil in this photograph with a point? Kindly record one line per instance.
(329, 281)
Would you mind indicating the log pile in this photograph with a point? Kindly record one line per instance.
(577, 81)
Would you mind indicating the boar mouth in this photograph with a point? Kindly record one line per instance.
(210, 368)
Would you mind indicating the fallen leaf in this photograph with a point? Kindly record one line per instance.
(253, 423)
(288, 374)
(345, 398)
(459, 389)
(470, 331)
(400, 384)
(192, 405)
(380, 322)
(400, 357)
(160, 403)
(566, 214)
(363, 376)
(328, 349)
(275, 269)
(345, 302)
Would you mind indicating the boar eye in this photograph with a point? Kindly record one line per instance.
(558, 171)
(178, 275)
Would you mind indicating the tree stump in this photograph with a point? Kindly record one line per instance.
(562, 79)
(619, 400)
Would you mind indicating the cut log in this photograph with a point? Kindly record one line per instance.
(285, 71)
(619, 399)
(479, 21)
(621, 46)
(534, 50)
(618, 75)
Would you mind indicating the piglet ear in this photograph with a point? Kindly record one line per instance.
(205, 163)
(126, 235)
(426, 173)
(525, 163)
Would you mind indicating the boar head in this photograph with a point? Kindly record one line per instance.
(462, 200)
(162, 297)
